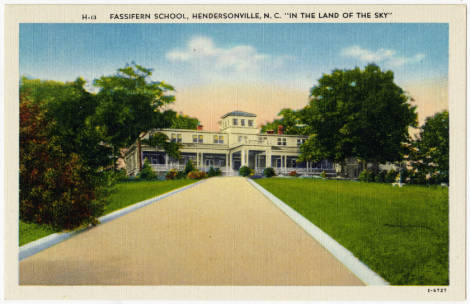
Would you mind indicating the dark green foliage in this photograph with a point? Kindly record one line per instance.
(56, 188)
(400, 233)
(218, 172)
(180, 175)
(244, 171)
(189, 167)
(380, 177)
(130, 103)
(430, 150)
(70, 106)
(182, 121)
(370, 176)
(147, 173)
(160, 140)
(364, 176)
(357, 113)
(211, 172)
(391, 176)
(290, 121)
(269, 172)
(323, 174)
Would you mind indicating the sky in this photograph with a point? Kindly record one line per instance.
(258, 68)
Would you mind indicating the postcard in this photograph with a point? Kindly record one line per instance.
(235, 152)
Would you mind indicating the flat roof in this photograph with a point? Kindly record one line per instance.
(239, 113)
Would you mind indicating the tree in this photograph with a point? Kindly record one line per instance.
(69, 105)
(358, 113)
(160, 140)
(129, 104)
(430, 149)
(56, 188)
(182, 121)
(290, 121)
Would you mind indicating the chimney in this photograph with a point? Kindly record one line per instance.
(199, 127)
(280, 129)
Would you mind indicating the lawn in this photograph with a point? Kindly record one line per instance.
(122, 195)
(400, 233)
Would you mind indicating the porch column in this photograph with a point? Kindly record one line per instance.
(197, 160)
(226, 161)
(242, 156)
(202, 160)
(284, 162)
(166, 161)
(268, 159)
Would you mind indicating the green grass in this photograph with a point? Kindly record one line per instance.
(31, 231)
(128, 193)
(122, 195)
(400, 233)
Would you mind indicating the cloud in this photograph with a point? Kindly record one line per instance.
(382, 55)
(202, 50)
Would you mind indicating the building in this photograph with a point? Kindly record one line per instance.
(238, 143)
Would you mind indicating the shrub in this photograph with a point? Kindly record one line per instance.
(180, 175)
(370, 177)
(391, 176)
(364, 176)
(121, 175)
(147, 172)
(56, 188)
(380, 177)
(171, 174)
(293, 173)
(244, 171)
(218, 172)
(196, 174)
(211, 172)
(189, 167)
(269, 172)
(323, 174)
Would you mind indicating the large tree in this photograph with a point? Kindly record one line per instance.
(290, 121)
(358, 113)
(69, 105)
(130, 103)
(430, 153)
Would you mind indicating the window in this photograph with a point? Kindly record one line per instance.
(250, 123)
(179, 139)
(281, 141)
(173, 137)
(200, 139)
(242, 122)
(176, 138)
(240, 138)
(235, 121)
(218, 139)
(195, 138)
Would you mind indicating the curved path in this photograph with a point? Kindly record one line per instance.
(220, 232)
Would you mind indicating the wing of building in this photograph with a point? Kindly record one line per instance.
(238, 143)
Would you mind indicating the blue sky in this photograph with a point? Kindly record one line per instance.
(197, 56)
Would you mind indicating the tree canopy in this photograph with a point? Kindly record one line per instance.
(358, 113)
(430, 150)
(290, 120)
(129, 104)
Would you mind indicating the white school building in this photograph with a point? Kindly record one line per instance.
(238, 143)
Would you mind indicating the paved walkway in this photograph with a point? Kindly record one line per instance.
(220, 232)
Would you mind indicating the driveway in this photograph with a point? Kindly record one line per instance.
(220, 232)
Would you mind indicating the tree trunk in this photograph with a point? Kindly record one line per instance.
(139, 152)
